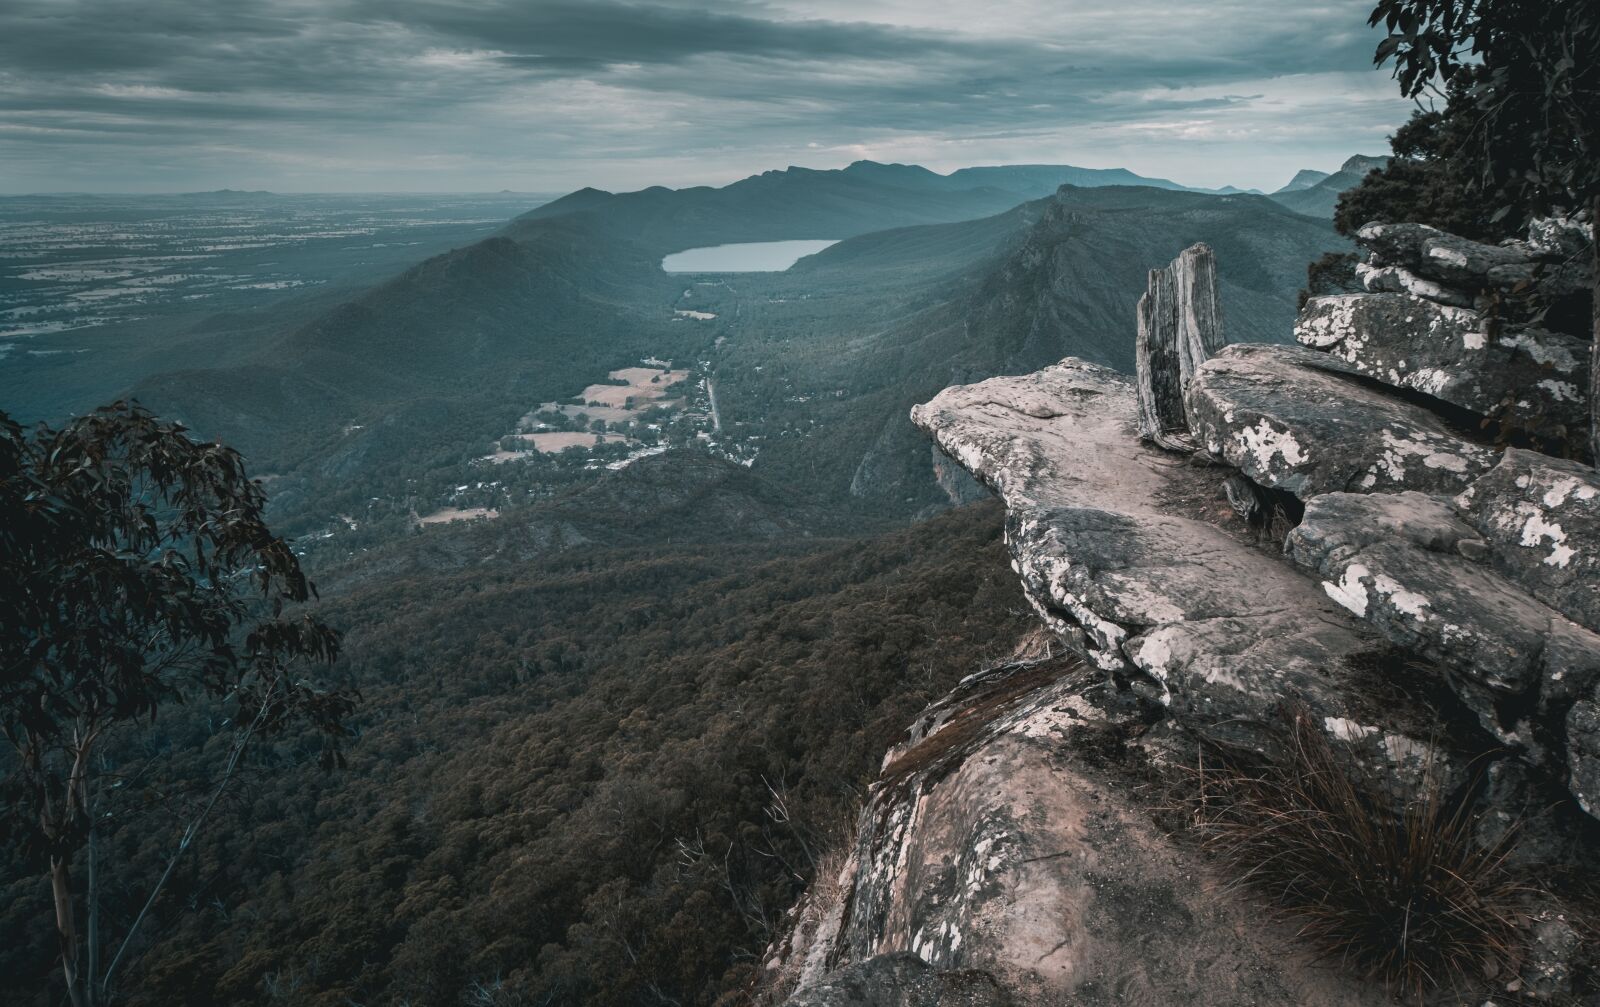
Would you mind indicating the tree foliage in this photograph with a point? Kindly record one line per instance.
(139, 572)
(599, 776)
(1430, 178)
(1518, 134)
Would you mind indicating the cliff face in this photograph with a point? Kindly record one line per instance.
(1342, 528)
(1007, 849)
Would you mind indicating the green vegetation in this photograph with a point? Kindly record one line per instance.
(596, 778)
(138, 573)
(1510, 131)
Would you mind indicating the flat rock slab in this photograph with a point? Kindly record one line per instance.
(1541, 518)
(1535, 377)
(1304, 422)
(1411, 567)
(1225, 630)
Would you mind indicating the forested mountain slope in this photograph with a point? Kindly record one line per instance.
(1057, 277)
(598, 778)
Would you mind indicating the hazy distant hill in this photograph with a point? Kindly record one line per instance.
(1319, 198)
(499, 323)
(1305, 178)
(808, 203)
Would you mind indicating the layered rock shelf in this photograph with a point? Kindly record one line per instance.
(1338, 526)
(1444, 316)
(1303, 422)
(1111, 556)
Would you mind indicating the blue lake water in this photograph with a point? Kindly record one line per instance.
(747, 257)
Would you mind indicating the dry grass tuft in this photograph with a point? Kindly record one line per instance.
(1383, 875)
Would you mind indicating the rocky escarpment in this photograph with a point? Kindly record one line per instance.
(1434, 605)
(1011, 864)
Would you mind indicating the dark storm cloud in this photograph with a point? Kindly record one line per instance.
(464, 94)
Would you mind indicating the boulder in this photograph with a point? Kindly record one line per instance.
(1535, 378)
(1399, 280)
(1464, 263)
(1304, 422)
(1541, 516)
(1396, 244)
(1410, 566)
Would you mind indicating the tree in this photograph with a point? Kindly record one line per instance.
(1522, 82)
(1531, 70)
(138, 573)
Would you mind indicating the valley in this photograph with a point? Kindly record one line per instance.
(620, 553)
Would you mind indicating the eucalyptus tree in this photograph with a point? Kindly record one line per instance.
(136, 572)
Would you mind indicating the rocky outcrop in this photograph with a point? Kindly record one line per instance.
(1338, 526)
(1299, 420)
(1113, 556)
(1468, 323)
(1454, 354)
(1409, 565)
(999, 844)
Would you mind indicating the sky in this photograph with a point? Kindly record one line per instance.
(552, 95)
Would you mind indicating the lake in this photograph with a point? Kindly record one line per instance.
(746, 257)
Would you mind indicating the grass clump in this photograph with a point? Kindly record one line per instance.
(1384, 874)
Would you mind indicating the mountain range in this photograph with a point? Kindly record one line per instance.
(938, 278)
(579, 712)
(1316, 193)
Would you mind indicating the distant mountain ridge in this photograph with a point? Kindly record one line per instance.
(1305, 178)
(1320, 197)
(796, 203)
(938, 278)
(1062, 281)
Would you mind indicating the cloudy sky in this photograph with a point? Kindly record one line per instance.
(550, 95)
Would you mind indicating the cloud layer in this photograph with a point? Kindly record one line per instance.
(548, 95)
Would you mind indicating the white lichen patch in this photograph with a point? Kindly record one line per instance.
(1401, 600)
(1548, 354)
(1350, 591)
(1561, 391)
(1327, 321)
(1345, 729)
(1262, 443)
(1536, 529)
(1566, 487)
(1404, 751)
(1399, 448)
(1433, 380)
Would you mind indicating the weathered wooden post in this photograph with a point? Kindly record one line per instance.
(1180, 327)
